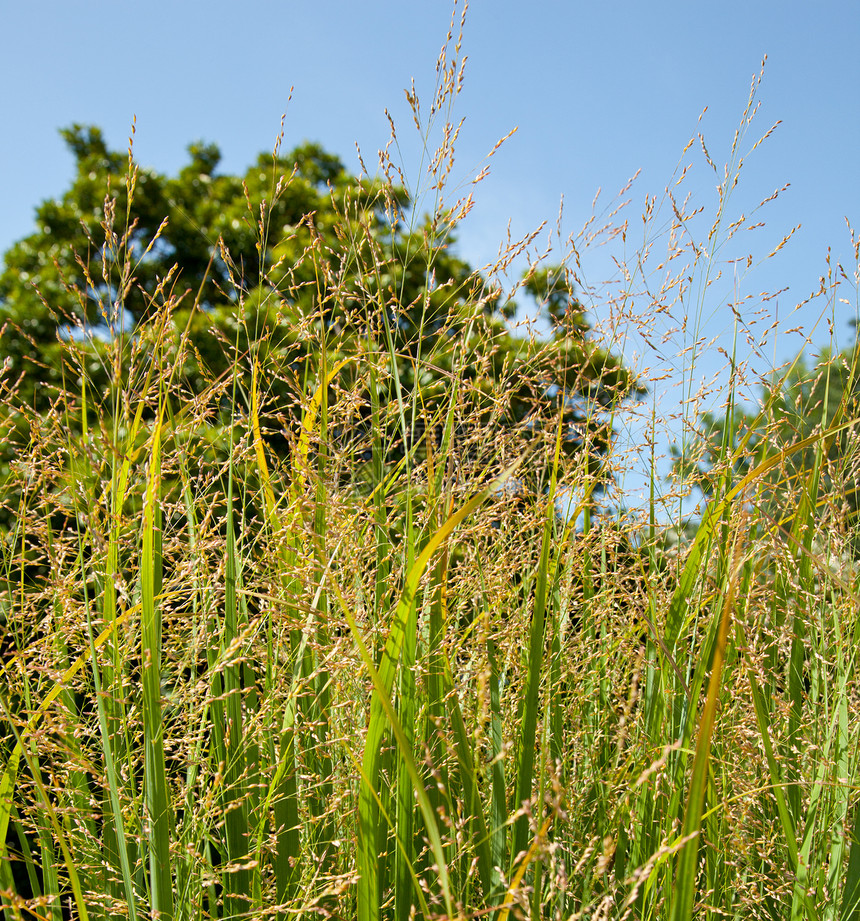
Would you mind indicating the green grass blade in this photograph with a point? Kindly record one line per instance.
(470, 781)
(688, 858)
(498, 783)
(156, 792)
(236, 879)
(7, 789)
(404, 860)
(49, 810)
(841, 786)
(382, 717)
(530, 702)
(789, 830)
(850, 905)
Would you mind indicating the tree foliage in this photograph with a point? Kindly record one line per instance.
(795, 409)
(296, 265)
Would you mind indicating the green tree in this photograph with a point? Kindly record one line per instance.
(794, 408)
(269, 265)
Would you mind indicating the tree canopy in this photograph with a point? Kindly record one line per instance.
(297, 265)
(804, 427)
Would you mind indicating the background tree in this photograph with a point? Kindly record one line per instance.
(793, 408)
(294, 264)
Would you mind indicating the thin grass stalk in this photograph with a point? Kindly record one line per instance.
(802, 534)
(370, 829)
(684, 894)
(498, 837)
(439, 782)
(9, 814)
(77, 891)
(226, 707)
(50, 884)
(439, 692)
(283, 791)
(477, 846)
(777, 783)
(405, 854)
(381, 590)
(850, 903)
(646, 835)
(159, 825)
(119, 849)
(531, 692)
(27, 853)
(319, 705)
(234, 804)
(382, 716)
(840, 788)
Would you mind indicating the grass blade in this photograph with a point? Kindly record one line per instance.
(156, 793)
(687, 861)
(383, 716)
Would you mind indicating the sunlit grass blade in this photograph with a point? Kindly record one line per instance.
(850, 902)
(283, 795)
(407, 707)
(839, 785)
(382, 716)
(686, 871)
(7, 788)
(156, 793)
(470, 781)
(498, 787)
(236, 879)
(528, 858)
(318, 705)
(530, 701)
(69, 864)
(444, 706)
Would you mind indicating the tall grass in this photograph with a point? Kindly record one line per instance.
(247, 687)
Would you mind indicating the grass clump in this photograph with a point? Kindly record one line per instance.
(308, 637)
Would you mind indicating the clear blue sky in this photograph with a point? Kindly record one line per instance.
(597, 90)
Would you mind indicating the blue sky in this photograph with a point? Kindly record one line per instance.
(597, 91)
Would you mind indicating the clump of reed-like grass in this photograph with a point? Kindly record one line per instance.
(335, 685)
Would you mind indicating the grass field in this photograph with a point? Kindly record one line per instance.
(319, 683)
